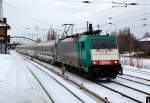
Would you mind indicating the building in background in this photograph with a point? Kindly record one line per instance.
(145, 44)
(4, 39)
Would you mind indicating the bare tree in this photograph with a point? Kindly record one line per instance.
(52, 34)
(126, 40)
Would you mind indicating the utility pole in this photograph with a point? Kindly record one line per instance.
(87, 26)
(1, 10)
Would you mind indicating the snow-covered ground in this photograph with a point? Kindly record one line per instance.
(138, 63)
(18, 84)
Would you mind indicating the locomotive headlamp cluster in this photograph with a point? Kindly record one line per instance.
(105, 62)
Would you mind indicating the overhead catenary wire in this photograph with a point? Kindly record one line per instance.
(91, 16)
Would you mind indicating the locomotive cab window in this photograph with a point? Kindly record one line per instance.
(97, 44)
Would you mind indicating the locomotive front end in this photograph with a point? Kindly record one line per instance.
(105, 61)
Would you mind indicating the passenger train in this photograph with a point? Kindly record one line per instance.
(91, 54)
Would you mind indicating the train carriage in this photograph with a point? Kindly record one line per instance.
(45, 51)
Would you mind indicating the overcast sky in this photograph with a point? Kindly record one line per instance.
(24, 14)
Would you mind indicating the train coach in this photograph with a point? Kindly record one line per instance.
(44, 50)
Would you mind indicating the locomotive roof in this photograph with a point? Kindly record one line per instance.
(99, 37)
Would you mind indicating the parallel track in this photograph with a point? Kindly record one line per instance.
(56, 81)
(137, 77)
(41, 85)
(131, 88)
(137, 71)
(123, 94)
(133, 81)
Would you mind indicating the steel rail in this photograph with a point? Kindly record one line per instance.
(58, 82)
(119, 92)
(137, 77)
(130, 87)
(133, 81)
(41, 85)
(137, 71)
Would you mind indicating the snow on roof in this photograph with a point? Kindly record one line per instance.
(145, 39)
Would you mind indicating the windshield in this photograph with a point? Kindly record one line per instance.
(97, 44)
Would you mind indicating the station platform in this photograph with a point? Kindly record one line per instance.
(17, 85)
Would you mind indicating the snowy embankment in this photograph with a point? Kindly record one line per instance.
(136, 63)
(138, 67)
(17, 85)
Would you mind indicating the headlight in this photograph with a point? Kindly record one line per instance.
(104, 52)
(94, 62)
(116, 62)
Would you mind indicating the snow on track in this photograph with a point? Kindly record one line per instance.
(134, 85)
(59, 92)
(136, 79)
(136, 74)
(127, 91)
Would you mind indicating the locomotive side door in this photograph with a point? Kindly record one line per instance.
(84, 58)
(83, 54)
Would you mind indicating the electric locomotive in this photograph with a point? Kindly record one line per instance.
(93, 55)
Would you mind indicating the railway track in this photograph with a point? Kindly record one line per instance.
(57, 82)
(132, 80)
(102, 99)
(133, 98)
(137, 77)
(51, 99)
(137, 71)
(146, 93)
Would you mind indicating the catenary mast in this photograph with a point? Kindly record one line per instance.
(1, 9)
